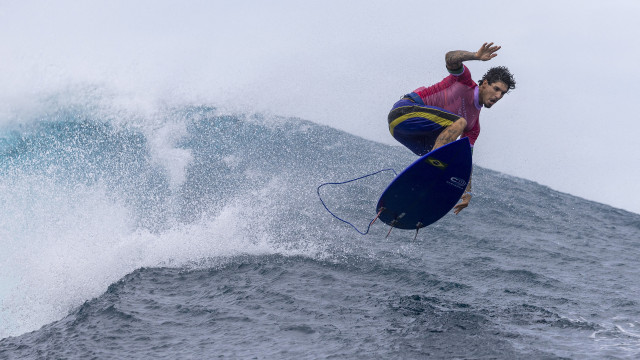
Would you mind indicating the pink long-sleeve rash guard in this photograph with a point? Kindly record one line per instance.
(458, 94)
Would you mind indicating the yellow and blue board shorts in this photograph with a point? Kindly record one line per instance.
(416, 125)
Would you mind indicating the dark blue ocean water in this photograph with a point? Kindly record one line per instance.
(187, 232)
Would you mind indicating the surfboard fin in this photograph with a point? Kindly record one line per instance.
(418, 226)
(393, 223)
(377, 216)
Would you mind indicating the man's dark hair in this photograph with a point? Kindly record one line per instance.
(499, 73)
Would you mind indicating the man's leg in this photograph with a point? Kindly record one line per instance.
(419, 126)
(450, 133)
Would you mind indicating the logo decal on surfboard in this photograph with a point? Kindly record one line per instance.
(437, 163)
(457, 182)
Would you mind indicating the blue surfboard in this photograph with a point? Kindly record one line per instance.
(428, 189)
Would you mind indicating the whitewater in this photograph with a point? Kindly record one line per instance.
(190, 231)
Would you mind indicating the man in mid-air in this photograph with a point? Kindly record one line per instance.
(430, 117)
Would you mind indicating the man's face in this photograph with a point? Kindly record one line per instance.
(491, 93)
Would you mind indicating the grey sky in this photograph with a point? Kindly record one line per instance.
(570, 124)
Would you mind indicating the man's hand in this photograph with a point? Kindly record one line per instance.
(455, 58)
(487, 52)
(463, 204)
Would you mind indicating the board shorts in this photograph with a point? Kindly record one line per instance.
(416, 125)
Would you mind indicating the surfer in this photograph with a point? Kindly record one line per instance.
(430, 117)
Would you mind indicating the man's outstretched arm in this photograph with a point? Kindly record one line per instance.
(455, 58)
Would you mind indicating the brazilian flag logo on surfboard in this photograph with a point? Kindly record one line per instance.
(437, 163)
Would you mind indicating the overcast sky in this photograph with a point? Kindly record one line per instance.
(571, 123)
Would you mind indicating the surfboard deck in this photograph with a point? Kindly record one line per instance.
(428, 189)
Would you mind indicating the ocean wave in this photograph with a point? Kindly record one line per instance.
(144, 218)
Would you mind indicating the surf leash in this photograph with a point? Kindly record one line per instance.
(346, 182)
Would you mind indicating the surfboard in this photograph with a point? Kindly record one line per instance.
(428, 189)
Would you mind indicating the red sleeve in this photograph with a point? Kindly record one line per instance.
(465, 77)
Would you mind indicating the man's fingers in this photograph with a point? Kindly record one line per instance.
(460, 206)
(489, 47)
(487, 51)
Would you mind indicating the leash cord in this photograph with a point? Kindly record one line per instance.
(345, 182)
